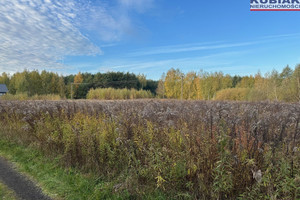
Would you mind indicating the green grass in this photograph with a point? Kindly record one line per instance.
(6, 193)
(58, 182)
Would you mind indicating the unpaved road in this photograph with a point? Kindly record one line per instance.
(22, 186)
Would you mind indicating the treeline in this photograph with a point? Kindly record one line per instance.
(273, 86)
(33, 83)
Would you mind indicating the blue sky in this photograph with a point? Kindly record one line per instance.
(145, 36)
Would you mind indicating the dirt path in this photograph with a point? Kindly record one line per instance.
(22, 186)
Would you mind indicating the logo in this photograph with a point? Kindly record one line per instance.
(275, 5)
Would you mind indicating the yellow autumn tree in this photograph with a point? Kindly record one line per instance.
(198, 83)
(173, 83)
(78, 79)
(246, 82)
(189, 86)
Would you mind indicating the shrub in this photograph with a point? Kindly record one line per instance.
(113, 94)
(24, 96)
(233, 94)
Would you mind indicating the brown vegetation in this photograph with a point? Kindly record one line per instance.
(186, 149)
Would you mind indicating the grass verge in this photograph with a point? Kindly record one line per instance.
(58, 182)
(6, 194)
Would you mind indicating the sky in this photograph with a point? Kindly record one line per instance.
(145, 36)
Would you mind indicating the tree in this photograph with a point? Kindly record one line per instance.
(260, 90)
(274, 83)
(78, 79)
(236, 80)
(151, 85)
(198, 86)
(4, 79)
(189, 86)
(173, 83)
(226, 82)
(286, 89)
(160, 91)
(46, 78)
(287, 72)
(34, 83)
(205, 83)
(142, 81)
(61, 87)
(295, 84)
(246, 82)
(211, 83)
(19, 83)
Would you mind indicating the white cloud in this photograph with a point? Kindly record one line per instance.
(107, 23)
(111, 23)
(189, 47)
(210, 45)
(212, 62)
(138, 5)
(37, 34)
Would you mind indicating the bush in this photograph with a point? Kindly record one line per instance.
(24, 96)
(113, 94)
(233, 94)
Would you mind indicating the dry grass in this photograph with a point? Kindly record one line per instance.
(187, 149)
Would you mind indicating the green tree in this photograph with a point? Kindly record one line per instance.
(78, 79)
(151, 85)
(286, 89)
(160, 91)
(236, 80)
(19, 83)
(4, 79)
(295, 84)
(287, 72)
(34, 83)
(142, 81)
(246, 82)
(62, 87)
(274, 83)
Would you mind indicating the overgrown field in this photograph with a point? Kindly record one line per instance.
(182, 149)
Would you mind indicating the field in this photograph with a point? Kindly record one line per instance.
(181, 149)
